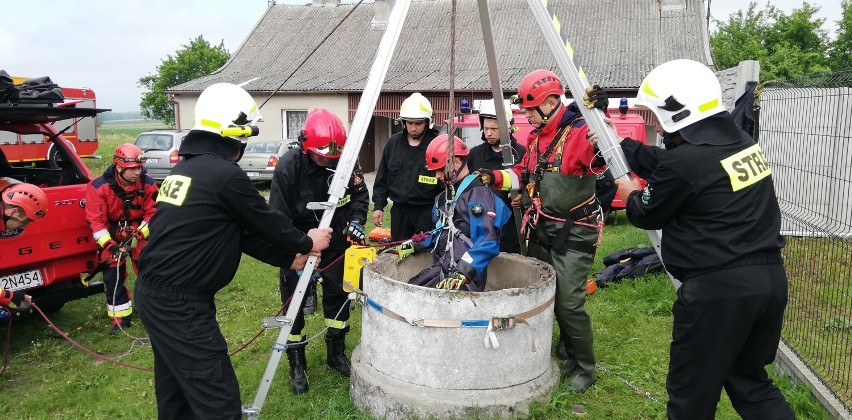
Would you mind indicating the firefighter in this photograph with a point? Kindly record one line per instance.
(208, 213)
(489, 155)
(711, 193)
(561, 212)
(22, 204)
(119, 205)
(402, 178)
(302, 176)
(467, 211)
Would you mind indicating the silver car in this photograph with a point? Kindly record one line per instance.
(161, 148)
(261, 156)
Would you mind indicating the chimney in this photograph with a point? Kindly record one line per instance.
(381, 13)
(324, 3)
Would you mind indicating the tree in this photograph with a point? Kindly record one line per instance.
(786, 45)
(192, 61)
(840, 50)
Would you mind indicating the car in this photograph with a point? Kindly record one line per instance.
(161, 149)
(50, 258)
(261, 156)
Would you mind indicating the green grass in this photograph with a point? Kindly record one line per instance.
(48, 378)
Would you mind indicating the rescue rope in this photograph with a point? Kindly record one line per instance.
(635, 389)
(299, 66)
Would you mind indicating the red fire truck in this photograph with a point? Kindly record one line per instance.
(81, 133)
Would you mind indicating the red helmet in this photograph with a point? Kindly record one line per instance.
(28, 197)
(323, 134)
(128, 156)
(436, 153)
(536, 86)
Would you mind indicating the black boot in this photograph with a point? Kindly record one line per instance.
(127, 321)
(561, 349)
(310, 299)
(298, 367)
(335, 350)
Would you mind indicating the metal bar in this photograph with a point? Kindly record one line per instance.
(337, 189)
(499, 108)
(608, 142)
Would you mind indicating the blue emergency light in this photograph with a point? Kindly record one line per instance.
(622, 106)
(465, 107)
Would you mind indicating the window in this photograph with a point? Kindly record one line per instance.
(293, 122)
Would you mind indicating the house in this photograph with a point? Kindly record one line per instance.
(617, 41)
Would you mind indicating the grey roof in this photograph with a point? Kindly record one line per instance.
(618, 42)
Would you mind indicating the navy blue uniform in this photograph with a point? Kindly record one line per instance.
(208, 214)
(298, 181)
(483, 156)
(478, 216)
(403, 178)
(714, 199)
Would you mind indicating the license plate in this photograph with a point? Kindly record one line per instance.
(153, 160)
(19, 281)
(253, 174)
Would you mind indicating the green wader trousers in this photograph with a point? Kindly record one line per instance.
(572, 268)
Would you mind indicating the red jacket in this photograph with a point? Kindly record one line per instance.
(105, 208)
(577, 153)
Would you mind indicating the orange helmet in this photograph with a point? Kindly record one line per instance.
(536, 86)
(436, 153)
(28, 197)
(128, 156)
(323, 134)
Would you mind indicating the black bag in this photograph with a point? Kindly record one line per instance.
(628, 263)
(40, 90)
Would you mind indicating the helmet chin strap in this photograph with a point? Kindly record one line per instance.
(546, 118)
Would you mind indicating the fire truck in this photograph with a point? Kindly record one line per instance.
(50, 257)
(81, 133)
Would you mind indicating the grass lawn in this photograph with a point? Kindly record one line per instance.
(48, 378)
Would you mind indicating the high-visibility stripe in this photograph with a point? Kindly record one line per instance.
(331, 323)
(709, 105)
(102, 236)
(564, 36)
(210, 123)
(145, 231)
(647, 89)
(119, 311)
(295, 338)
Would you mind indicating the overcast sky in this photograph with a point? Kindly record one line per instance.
(107, 45)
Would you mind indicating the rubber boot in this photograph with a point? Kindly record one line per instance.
(127, 321)
(582, 375)
(298, 367)
(335, 350)
(310, 299)
(116, 326)
(561, 349)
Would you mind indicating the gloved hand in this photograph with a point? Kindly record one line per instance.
(595, 97)
(486, 176)
(110, 251)
(453, 282)
(404, 250)
(355, 234)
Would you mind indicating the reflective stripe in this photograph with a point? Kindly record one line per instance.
(102, 236)
(331, 323)
(423, 179)
(709, 105)
(145, 231)
(295, 338)
(119, 311)
(210, 123)
(647, 89)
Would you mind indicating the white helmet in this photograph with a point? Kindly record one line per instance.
(488, 109)
(227, 110)
(416, 108)
(681, 93)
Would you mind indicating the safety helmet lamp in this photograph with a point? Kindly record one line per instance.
(416, 108)
(227, 110)
(28, 197)
(128, 156)
(436, 153)
(323, 134)
(681, 93)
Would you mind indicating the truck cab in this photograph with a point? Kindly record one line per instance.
(51, 256)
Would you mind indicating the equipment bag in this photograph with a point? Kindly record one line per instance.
(628, 263)
(40, 90)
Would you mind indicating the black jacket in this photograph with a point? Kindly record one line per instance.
(298, 181)
(402, 175)
(483, 156)
(709, 216)
(208, 214)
